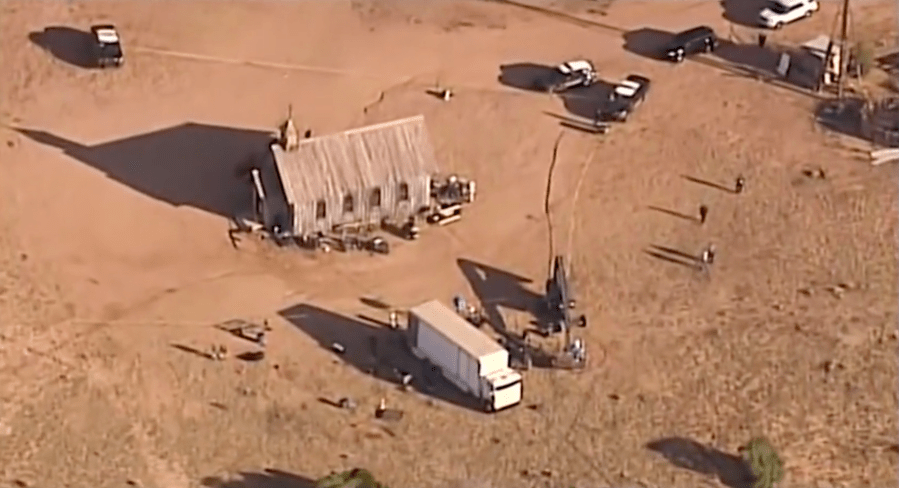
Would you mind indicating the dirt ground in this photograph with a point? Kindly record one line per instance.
(116, 188)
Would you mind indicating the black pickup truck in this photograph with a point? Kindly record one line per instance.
(107, 46)
(625, 97)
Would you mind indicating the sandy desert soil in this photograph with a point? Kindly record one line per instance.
(116, 192)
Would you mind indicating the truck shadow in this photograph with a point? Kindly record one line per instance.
(379, 352)
(71, 46)
(743, 12)
(586, 101)
(528, 76)
(647, 42)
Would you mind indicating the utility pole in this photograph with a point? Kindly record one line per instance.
(844, 49)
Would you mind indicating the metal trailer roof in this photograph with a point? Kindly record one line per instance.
(465, 335)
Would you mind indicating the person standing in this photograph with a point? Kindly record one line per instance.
(703, 213)
(739, 184)
(708, 255)
(394, 320)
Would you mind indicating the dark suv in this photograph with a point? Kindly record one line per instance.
(696, 40)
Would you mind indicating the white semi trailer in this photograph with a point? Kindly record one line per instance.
(466, 356)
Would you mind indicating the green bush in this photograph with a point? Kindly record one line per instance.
(766, 466)
(354, 478)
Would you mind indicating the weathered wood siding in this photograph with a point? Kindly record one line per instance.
(355, 163)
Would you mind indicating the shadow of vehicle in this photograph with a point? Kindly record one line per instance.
(379, 352)
(529, 76)
(730, 469)
(191, 164)
(66, 44)
(648, 42)
(586, 101)
(743, 12)
(269, 478)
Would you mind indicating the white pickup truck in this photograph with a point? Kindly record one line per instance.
(466, 356)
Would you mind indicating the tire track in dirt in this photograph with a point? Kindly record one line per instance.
(546, 199)
(564, 17)
(572, 219)
(27, 378)
(565, 440)
(165, 473)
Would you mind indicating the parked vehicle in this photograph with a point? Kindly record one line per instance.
(693, 41)
(625, 97)
(107, 46)
(464, 354)
(572, 74)
(781, 12)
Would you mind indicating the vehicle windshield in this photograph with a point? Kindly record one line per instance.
(777, 7)
(686, 37)
(507, 386)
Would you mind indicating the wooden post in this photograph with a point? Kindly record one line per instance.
(258, 196)
(844, 51)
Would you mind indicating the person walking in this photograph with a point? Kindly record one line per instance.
(739, 185)
(703, 213)
(394, 320)
(232, 236)
(708, 255)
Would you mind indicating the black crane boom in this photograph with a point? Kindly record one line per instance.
(560, 297)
